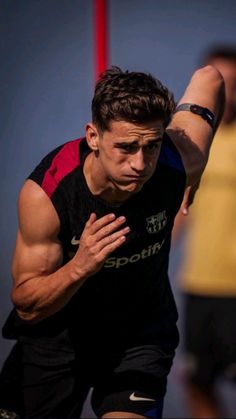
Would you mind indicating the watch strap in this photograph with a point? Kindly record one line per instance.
(205, 113)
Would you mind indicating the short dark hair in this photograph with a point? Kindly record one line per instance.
(130, 96)
(219, 51)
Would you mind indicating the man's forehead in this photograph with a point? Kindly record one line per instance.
(153, 129)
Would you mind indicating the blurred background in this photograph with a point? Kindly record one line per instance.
(47, 78)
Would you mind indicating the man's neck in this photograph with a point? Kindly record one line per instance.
(99, 185)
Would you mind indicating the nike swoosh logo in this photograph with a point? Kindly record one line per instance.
(134, 398)
(74, 241)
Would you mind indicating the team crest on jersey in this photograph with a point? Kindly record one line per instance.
(156, 222)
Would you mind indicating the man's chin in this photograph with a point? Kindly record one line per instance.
(133, 187)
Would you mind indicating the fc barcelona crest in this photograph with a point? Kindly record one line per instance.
(156, 222)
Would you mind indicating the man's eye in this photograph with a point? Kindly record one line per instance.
(153, 146)
(128, 148)
(132, 148)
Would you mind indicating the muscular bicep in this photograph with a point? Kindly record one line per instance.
(34, 259)
(38, 251)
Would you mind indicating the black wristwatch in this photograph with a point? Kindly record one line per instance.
(198, 110)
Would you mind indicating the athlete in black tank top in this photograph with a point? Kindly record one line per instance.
(93, 302)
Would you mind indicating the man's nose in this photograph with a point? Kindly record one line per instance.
(137, 161)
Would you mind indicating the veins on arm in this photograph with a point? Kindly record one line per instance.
(37, 256)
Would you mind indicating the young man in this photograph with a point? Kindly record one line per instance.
(93, 303)
(208, 283)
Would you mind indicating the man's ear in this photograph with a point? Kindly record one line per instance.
(92, 136)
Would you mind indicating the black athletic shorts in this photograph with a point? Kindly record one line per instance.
(55, 383)
(10, 383)
(209, 338)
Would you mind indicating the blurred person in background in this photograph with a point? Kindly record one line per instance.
(207, 275)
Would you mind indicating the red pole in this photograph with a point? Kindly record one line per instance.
(100, 41)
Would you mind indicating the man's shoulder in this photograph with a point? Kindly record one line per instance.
(57, 164)
(68, 152)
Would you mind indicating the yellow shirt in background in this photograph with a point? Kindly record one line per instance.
(209, 262)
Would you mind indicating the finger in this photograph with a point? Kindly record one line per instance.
(109, 245)
(185, 204)
(91, 219)
(110, 228)
(113, 237)
(184, 207)
(105, 225)
(185, 210)
(97, 224)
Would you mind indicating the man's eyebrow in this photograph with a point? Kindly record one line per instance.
(135, 142)
(125, 142)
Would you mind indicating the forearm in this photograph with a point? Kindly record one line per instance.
(36, 298)
(192, 134)
(43, 294)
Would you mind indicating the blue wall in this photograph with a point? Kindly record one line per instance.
(47, 78)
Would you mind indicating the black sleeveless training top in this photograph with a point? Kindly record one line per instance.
(132, 291)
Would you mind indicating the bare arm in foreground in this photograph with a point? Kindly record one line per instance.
(41, 286)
